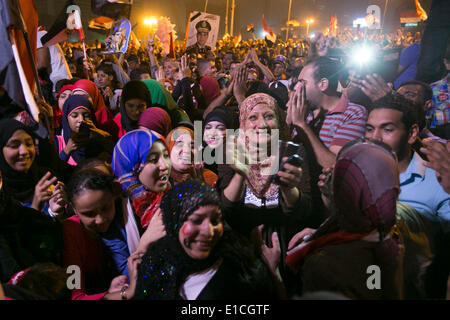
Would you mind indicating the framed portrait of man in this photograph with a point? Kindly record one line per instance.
(202, 32)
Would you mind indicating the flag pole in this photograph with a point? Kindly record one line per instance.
(206, 5)
(233, 5)
(288, 19)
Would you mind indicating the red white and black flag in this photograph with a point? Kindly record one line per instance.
(18, 31)
(68, 20)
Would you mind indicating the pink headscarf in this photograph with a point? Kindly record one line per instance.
(156, 119)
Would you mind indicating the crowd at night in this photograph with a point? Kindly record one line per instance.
(298, 164)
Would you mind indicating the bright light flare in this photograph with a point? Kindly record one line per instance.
(362, 55)
(150, 21)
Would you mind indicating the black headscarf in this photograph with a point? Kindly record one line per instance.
(19, 184)
(166, 265)
(134, 89)
(221, 114)
(72, 103)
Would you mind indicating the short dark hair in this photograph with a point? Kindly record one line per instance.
(136, 73)
(328, 68)
(108, 69)
(397, 102)
(427, 92)
(89, 179)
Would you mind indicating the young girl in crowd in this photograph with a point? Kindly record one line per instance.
(101, 235)
(142, 166)
(199, 258)
(109, 86)
(80, 138)
(134, 100)
(102, 114)
(33, 186)
(214, 134)
(182, 157)
(61, 97)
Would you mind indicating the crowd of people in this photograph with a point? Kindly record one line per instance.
(255, 170)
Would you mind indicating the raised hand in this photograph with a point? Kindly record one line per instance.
(58, 200)
(42, 193)
(298, 107)
(373, 86)
(154, 232)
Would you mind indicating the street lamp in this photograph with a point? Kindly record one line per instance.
(308, 22)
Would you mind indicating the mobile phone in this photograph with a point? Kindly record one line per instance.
(294, 160)
(84, 129)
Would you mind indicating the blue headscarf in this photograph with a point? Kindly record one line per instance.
(129, 157)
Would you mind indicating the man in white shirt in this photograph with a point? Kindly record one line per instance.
(59, 67)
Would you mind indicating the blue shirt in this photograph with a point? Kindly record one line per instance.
(408, 59)
(420, 189)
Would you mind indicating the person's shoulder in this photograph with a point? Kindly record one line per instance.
(355, 109)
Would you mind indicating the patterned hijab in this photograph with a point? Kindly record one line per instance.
(129, 158)
(366, 187)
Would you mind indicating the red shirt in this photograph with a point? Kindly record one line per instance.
(85, 251)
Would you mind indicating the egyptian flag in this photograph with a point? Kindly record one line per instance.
(16, 61)
(270, 35)
(74, 23)
(60, 31)
(420, 12)
(114, 9)
(333, 24)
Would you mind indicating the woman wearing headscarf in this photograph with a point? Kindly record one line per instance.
(360, 234)
(27, 237)
(160, 97)
(156, 119)
(61, 97)
(214, 135)
(80, 138)
(102, 115)
(182, 156)
(142, 166)
(249, 193)
(22, 178)
(199, 258)
(134, 100)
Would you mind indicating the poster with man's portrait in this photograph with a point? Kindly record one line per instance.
(202, 32)
(118, 40)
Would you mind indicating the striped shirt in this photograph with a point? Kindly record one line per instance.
(344, 123)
